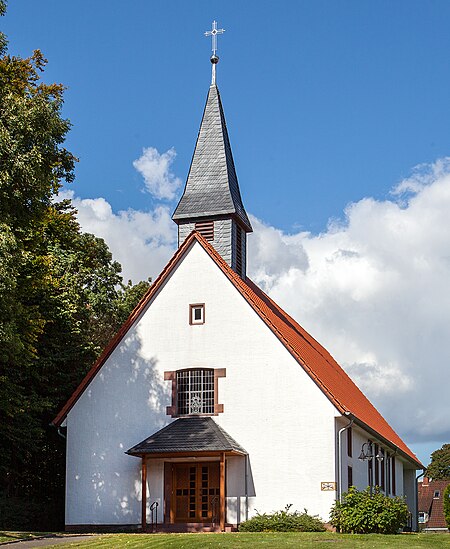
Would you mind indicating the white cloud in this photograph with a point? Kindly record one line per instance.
(155, 168)
(142, 242)
(375, 290)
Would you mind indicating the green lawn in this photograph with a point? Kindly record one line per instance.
(266, 541)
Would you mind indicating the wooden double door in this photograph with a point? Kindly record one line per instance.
(196, 492)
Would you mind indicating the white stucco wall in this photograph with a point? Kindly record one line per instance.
(359, 468)
(410, 491)
(271, 406)
(405, 484)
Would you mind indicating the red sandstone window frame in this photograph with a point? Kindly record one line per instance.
(193, 307)
(173, 409)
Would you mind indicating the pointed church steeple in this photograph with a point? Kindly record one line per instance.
(211, 202)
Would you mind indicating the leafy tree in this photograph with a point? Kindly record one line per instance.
(439, 467)
(3, 40)
(447, 505)
(61, 293)
(32, 165)
(366, 513)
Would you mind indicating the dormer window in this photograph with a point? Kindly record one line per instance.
(197, 313)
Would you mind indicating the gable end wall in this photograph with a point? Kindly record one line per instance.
(271, 406)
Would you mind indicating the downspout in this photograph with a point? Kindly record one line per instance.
(339, 439)
(416, 520)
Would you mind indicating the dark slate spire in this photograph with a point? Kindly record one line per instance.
(212, 187)
(211, 203)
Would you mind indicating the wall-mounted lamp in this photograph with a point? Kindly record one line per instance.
(366, 451)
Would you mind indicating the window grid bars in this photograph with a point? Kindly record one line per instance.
(195, 392)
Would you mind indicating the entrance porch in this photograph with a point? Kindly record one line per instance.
(187, 464)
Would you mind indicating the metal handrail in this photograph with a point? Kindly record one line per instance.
(154, 515)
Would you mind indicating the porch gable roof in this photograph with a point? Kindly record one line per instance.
(190, 434)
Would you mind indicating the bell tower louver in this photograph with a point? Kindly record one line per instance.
(211, 202)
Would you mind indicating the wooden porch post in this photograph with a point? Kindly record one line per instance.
(222, 491)
(144, 494)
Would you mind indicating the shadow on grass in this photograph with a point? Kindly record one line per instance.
(9, 536)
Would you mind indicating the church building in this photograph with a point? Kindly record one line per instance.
(211, 402)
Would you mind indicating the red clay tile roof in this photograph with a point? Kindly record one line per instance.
(316, 360)
(433, 506)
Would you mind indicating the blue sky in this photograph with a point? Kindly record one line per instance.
(326, 101)
(330, 105)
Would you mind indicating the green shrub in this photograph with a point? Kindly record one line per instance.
(366, 513)
(283, 521)
(447, 505)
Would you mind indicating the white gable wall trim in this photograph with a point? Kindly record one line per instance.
(271, 407)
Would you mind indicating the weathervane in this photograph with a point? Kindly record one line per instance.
(214, 58)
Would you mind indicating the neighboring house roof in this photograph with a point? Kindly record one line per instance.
(314, 358)
(212, 186)
(193, 434)
(433, 506)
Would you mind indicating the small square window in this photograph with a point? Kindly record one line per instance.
(437, 494)
(197, 313)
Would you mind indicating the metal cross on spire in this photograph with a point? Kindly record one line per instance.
(213, 33)
(214, 58)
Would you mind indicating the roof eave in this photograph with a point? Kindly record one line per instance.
(234, 278)
(135, 314)
(246, 225)
(186, 453)
(386, 441)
